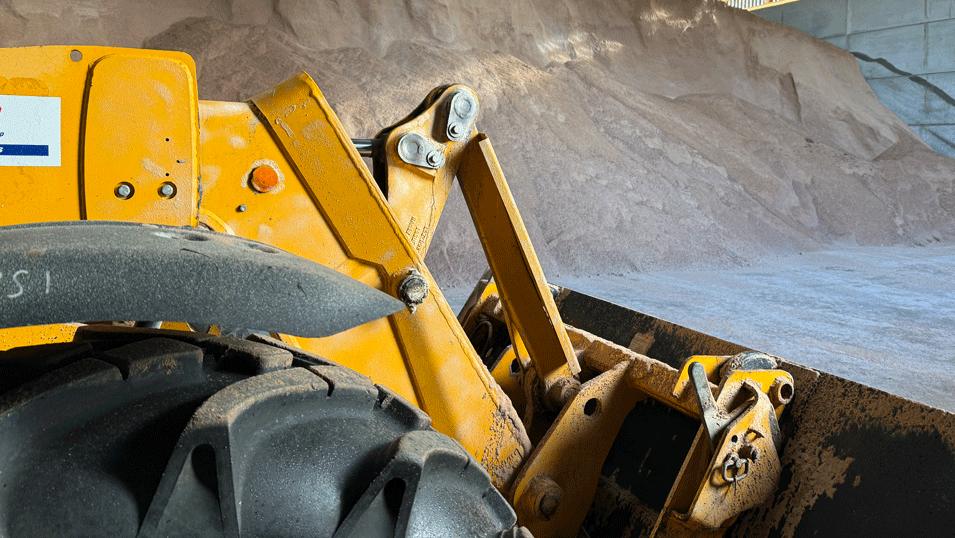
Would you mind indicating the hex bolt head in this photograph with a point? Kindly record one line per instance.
(413, 289)
(414, 146)
(124, 191)
(167, 190)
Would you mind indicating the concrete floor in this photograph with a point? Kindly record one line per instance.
(882, 316)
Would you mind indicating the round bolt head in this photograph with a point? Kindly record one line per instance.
(242, 208)
(435, 158)
(124, 191)
(455, 129)
(464, 104)
(544, 496)
(548, 505)
(410, 147)
(264, 179)
(167, 190)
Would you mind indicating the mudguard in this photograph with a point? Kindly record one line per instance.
(84, 271)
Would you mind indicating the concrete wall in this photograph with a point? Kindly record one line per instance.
(912, 43)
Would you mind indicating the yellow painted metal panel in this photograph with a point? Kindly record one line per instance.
(141, 130)
(36, 335)
(43, 194)
(235, 142)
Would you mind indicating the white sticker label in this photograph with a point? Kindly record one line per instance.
(29, 131)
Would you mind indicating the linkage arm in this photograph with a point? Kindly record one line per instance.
(527, 299)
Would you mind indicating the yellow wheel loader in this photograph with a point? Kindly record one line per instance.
(215, 320)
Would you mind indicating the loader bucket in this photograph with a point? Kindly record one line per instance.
(852, 459)
(855, 460)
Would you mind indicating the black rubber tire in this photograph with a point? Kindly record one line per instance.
(159, 433)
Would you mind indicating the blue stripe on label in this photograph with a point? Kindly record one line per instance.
(24, 150)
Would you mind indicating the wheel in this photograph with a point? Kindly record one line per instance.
(163, 433)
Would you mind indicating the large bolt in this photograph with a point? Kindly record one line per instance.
(167, 190)
(562, 391)
(410, 146)
(124, 191)
(464, 104)
(543, 497)
(413, 289)
(548, 505)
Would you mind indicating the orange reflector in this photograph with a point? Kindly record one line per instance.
(264, 179)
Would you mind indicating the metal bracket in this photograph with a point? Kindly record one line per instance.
(417, 150)
(462, 110)
(554, 489)
(714, 418)
(739, 438)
